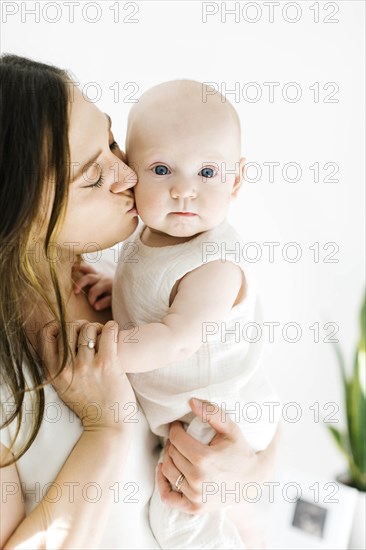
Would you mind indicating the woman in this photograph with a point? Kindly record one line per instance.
(86, 473)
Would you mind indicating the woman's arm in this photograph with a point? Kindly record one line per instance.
(71, 521)
(209, 469)
(65, 518)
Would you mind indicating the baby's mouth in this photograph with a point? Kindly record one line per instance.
(184, 213)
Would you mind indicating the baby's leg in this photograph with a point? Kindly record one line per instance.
(178, 530)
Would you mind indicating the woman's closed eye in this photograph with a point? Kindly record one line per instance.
(100, 181)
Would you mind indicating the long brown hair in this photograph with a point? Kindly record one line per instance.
(34, 164)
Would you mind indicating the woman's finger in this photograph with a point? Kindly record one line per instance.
(217, 419)
(108, 341)
(88, 332)
(189, 487)
(167, 485)
(180, 462)
(174, 499)
(171, 472)
(73, 328)
(194, 450)
(187, 445)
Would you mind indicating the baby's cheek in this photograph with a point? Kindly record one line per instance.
(145, 204)
(138, 193)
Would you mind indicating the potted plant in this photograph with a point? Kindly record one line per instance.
(352, 440)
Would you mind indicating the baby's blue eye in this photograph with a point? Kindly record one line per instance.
(207, 173)
(161, 170)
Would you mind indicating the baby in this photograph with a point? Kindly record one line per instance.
(182, 283)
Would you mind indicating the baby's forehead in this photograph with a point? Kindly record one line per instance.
(182, 119)
(162, 126)
(180, 111)
(186, 145)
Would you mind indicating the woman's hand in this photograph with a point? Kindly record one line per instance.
(98, 389)
(99, 289)
(210, 471)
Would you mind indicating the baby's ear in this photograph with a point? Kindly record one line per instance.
(239, 178)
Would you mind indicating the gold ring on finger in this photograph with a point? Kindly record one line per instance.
(90, 344)
(179, 482)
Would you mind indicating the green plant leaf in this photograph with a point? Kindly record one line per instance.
(353, 442)
(341, 363)
(356, 417)
(340, 440)
(358, 397)
(363, 323)
(357, 478)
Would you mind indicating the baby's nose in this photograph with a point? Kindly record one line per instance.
(183, 191)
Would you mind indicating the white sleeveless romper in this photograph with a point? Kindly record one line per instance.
(225, 369)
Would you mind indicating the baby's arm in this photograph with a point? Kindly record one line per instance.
(205, 295)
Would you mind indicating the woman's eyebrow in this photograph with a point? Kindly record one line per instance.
(81, 168)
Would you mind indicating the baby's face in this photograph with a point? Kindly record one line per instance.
(187, 173)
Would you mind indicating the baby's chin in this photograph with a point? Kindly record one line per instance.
(184, 232)
(184, 228)
(181, 226)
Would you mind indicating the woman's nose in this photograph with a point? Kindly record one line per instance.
(125, 178)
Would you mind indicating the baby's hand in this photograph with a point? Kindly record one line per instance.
(100, 287)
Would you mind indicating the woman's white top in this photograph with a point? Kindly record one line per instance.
(226, 368)
(128, 524)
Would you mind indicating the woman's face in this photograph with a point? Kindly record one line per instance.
(100, 195)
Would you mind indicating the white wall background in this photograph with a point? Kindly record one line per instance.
(169, 40)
